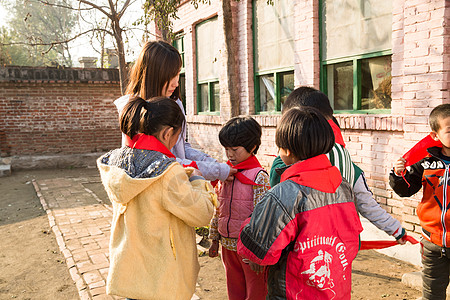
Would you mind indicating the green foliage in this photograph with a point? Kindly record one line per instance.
(39, 33)
(13, 54)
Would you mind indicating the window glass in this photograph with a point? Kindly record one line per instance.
(340, 85)
(178, 43)
(352, 27)
(204, 92)
(267, 93)
(286, 85)
(215, 96)
(376, 83)
(182, 85)
(274, 32)
(208, 47)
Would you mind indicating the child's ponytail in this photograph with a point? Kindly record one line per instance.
(150, 117)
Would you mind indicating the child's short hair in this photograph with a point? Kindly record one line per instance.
(308, 96)
(241, 131)
(439, 112)
(305, 132)
(150, 117)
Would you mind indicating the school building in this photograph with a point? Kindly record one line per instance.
(384, 65)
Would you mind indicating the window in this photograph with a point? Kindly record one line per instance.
(356, 54)
(208, 51)
(178, 43)
(274, 53)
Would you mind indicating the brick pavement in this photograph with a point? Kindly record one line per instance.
(81, 223)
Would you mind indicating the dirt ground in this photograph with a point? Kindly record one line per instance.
(33, 268)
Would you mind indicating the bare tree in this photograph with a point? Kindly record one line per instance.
(111, 10)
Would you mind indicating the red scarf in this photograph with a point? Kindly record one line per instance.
(337, 133)
(147, 142)
(367, 245)
(249, 163)
(316, 172)
(419, 150)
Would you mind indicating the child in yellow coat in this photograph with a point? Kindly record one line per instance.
(153, 254)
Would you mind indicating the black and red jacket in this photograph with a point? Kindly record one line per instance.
(307, 230)
(432, 174)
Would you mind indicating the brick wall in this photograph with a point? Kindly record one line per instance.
(49, 111)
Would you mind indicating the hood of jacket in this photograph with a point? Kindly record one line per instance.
(120, 102)
(316, 172)
(126, 172)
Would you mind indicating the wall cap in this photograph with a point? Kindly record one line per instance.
(57, 75)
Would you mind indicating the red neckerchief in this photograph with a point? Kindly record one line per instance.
(147, 142)
(419, 150)
(337, 133)
(316, 172)
(249, 163)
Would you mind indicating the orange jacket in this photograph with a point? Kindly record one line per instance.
(433, 211)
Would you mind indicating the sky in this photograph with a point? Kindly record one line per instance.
(81, 46)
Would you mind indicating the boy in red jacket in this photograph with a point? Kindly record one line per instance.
(306, 228)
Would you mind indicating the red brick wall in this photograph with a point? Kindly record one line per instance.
(57, 117)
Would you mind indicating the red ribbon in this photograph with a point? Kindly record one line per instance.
(249, 163)
(367, 245)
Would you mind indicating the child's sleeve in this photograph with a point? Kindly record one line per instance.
(191, 200)
(268, 232)
(210, 168)
(274, 177)
(410, 184)
(370, 209)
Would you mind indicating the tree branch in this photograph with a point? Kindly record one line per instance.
(100, 8)
(57, 42)
(125, 6)
(63, 6)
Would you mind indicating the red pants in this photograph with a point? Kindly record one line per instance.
(242, 282)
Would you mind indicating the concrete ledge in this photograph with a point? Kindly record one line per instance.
(5, 170)
(54, 161)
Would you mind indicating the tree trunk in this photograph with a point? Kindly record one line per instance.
(230, 57)
(123, 70)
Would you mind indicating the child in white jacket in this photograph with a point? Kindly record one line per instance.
(156, 73)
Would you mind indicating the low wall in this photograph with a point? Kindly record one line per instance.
(51, 112)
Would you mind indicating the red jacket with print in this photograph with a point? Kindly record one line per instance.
(432, 174)
(307, 229)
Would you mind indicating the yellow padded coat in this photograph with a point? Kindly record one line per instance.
(153, 253)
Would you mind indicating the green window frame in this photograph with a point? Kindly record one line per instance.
(178, 43)
(281, 89)
(273, 83)
(208, 88)
(360, 100)
(367, 89)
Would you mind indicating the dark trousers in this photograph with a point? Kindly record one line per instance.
(436, 270)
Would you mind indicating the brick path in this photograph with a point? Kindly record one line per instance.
(81, 223)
